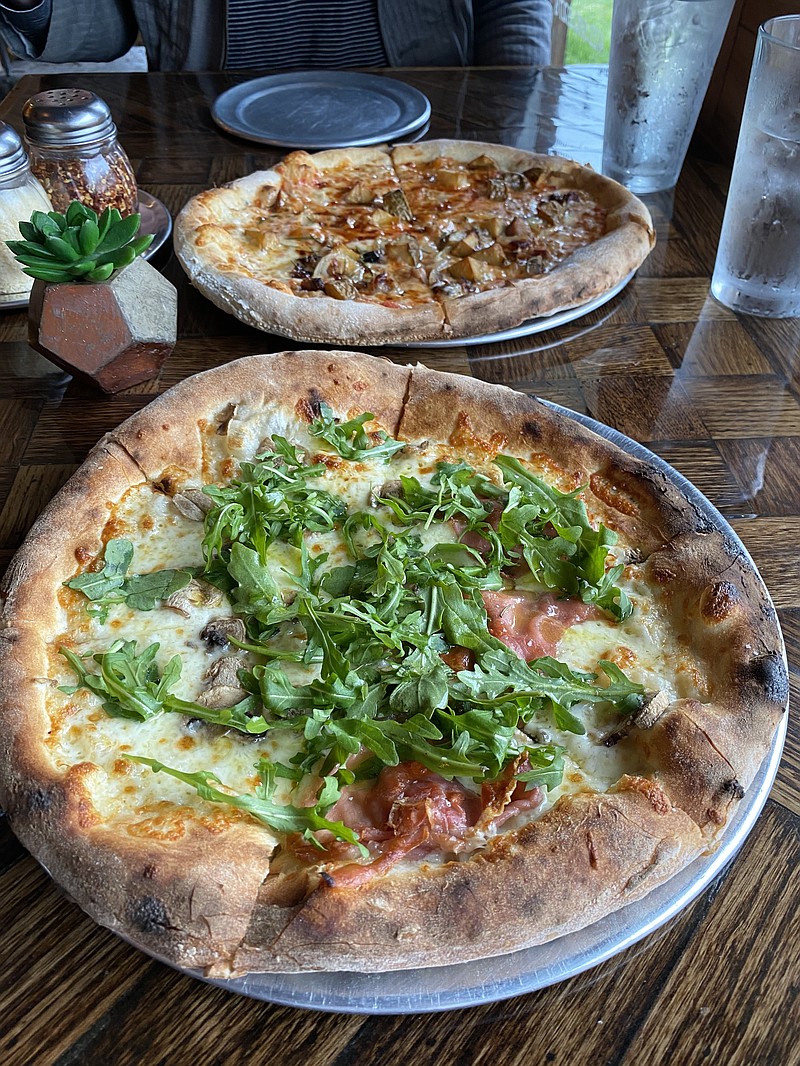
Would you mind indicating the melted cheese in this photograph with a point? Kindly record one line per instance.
(86, 741)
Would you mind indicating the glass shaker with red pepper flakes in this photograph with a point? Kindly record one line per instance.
(74, 152)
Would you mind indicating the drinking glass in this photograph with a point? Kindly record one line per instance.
(757, 270)
(662, 56)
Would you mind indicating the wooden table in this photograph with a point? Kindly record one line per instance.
(715, 395)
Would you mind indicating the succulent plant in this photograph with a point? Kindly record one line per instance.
(78, 245)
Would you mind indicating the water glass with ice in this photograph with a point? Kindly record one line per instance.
(662, 56)
(757, 270)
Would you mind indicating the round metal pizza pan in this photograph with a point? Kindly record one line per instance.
(527, 328)
(321, 109)
(489, 980)
(156, 219)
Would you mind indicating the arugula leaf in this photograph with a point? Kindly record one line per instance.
(423, 684)
(558, 543)
(547, 766)
(143, 592)
(525, 517)
(371, 630)
(487, 737)
(271, 499)
(117, 556)
(350, 440)
(501, 677)
(111, 585)
(128, 685)
(282, 817)
(455, 491)
(256, 592)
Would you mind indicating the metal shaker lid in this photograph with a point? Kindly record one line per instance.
(12, 155)
(67, 117)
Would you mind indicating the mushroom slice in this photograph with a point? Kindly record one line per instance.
(341, 263)
(652, 709)
(225, 671)
(340, 289)
(497, 189)
(193, 504)
(218, 632)
(223, 688)
(645, 718)
(396, 204)
(536, 265)
(196, 594)
(217, 696)
(514, 181)
(389, 489)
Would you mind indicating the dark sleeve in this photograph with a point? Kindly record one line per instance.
(70, 33)
(512, 32)
(25, 32)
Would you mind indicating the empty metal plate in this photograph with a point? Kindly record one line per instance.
(321, 109)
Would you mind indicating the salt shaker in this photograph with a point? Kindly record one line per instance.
(72, 141)
(20, 195)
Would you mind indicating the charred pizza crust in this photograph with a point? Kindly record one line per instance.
(211, 238)
(207, 899)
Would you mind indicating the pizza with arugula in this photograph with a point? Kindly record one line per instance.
(321, 662)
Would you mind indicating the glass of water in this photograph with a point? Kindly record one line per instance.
(758, 262)
(662, 56)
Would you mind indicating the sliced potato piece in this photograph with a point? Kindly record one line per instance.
(482, 162)
(468, 244)
(471, 269)
(518, 227)
(452, 179)
(494, 254)
(262, 239)
(406, 249)
(361, 193)
(494, 226)
(534, 174)
(382, 219)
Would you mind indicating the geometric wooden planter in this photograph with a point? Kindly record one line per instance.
(112, 333)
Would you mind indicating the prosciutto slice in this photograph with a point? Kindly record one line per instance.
(531, 624)
(411, 808)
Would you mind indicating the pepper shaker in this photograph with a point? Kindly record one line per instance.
(20, 195)
(74, 152)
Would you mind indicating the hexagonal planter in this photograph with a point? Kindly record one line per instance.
(112, 333)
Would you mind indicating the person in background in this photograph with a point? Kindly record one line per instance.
(281, 34)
